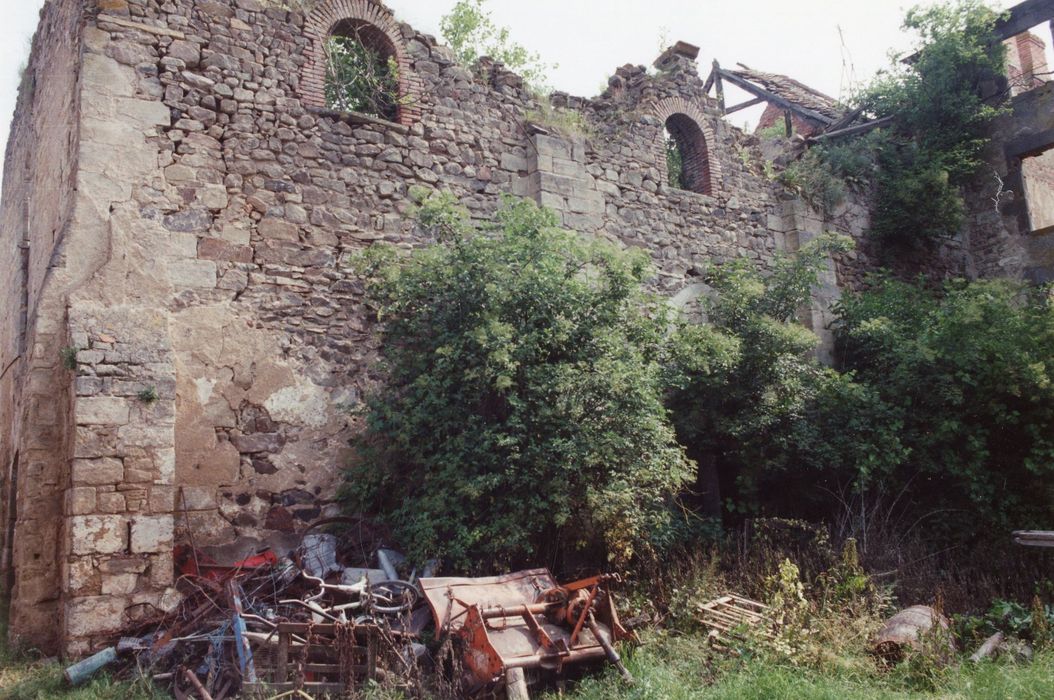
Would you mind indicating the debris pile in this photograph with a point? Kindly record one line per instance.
(311, 624)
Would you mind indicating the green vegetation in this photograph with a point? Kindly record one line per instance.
(68, 356)
(567, 122)
(669, 667)
(361, 79)
(674, 162)
(23, 676)
(938, 111)
(470, 31)
(966, 373)
(148, 395)
(522, 418)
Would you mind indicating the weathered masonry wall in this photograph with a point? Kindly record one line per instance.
(1008, 230)
(205, 209)
(35, 215)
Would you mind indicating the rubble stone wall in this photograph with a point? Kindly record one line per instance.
(35, 214)
(1002, 239)
(221, 341)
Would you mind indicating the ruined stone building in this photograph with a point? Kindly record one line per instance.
(180, 340)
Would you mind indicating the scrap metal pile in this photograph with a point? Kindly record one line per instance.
(309, 624)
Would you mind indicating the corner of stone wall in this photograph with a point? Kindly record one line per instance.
(802, 224)
(119, 498)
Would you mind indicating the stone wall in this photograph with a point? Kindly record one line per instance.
(37, 206)
(1001, 238)
(220, 340)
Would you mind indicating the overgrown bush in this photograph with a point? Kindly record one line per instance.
(522, 421)
(752, 404)
(939, 104)
(966, 370)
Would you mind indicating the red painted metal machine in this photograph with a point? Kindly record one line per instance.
(526, 620)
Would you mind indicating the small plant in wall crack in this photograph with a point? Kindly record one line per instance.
(149, 395)
(69, 357)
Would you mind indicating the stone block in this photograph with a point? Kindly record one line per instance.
(98, 534)
(199, 497)
(110, 502)
(180, 174)
(199, 274)
(144, 112)
(119, 584)
(139, 436)
(151, 533)
(97, 472)
(258, 442)
(101, 410)
(219, 249)
(513, 162)
(552, 146)
(278, 229)
(186, 51)
(80, 500)
(94, 615)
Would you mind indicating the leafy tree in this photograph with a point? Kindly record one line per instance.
(471, 32)
(938, 98)
(522, 419)
(360, 79)
(940, 104)
(968, 369)
(751, 402)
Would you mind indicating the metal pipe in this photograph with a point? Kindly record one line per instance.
(517, 610)
(575, 656)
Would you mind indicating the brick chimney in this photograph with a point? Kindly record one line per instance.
(1026, 62)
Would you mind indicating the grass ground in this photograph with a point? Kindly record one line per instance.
(679, 668)
(666, 667)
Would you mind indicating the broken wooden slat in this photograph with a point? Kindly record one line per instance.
(769, 96)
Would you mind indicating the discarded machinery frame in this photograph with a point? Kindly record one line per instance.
(527, 621)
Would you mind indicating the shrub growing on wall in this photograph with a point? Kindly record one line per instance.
(522, 418)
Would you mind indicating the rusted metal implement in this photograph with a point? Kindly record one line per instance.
(526, 620)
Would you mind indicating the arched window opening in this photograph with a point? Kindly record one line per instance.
(362, 73)
(687, 160)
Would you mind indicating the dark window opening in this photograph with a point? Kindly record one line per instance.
(687, 160)
(362, 74)
(1038, 177)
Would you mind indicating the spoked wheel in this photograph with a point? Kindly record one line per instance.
(393, 597)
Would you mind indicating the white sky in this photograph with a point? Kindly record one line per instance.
(589, 39)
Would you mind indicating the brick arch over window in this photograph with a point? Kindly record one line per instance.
(370, 18)
(691, 130)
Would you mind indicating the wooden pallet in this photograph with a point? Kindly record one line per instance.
(728, 615)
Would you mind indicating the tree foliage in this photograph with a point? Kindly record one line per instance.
(360, 79)
(522, 418)
(472, 33)
(940, 103)
(746, 390)
(967, 370)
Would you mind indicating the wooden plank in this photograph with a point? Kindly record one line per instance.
(745, 105)
(282, 662)
(1023, 17)
(718, 73)
(849, 131)
(772, 97)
